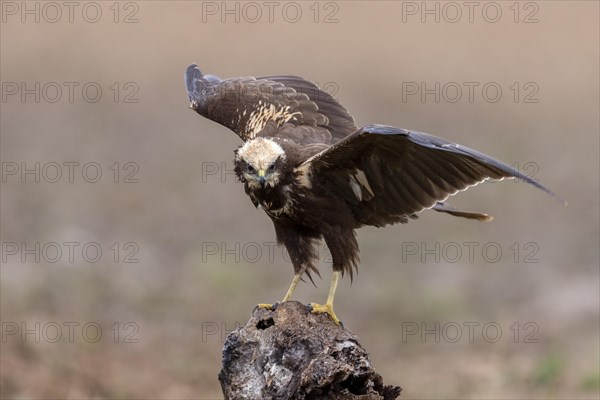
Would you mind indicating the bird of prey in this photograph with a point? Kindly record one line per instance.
(318, 176)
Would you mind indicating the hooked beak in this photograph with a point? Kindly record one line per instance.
(261, 177)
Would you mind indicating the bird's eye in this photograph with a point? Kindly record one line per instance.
(272, 168)
(250, 168)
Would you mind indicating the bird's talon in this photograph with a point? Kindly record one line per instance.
(325, 309)
(267, 306)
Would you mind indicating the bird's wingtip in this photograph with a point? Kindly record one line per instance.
(193, 66)
(555, 196)
(543, 188)
(192, 76)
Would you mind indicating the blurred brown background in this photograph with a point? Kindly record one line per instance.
(447, 308)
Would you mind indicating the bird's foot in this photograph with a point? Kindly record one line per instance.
(325, 309)
(267, 306)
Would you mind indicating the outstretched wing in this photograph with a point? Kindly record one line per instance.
(388, 174)
(249, 105)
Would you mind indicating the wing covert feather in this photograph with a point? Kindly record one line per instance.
(260, 106)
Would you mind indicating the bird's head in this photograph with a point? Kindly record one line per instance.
(260, 163)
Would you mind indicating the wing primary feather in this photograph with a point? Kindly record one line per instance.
(484, 159)
(434, 142)
(192, 74)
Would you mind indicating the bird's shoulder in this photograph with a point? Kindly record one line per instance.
(297, 151)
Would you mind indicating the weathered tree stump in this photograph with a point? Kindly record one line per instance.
(289, 353)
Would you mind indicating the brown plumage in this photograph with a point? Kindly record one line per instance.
(319, 177)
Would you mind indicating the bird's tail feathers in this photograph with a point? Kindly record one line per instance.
(311, 268)
(445, 207)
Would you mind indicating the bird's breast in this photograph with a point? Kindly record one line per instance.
(274, 201)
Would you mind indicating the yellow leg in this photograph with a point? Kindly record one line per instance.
(288, 295)
(328, 307)
(290, 291)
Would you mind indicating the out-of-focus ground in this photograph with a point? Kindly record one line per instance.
(448, 308)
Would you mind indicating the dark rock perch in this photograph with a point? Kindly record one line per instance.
(290, 353)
